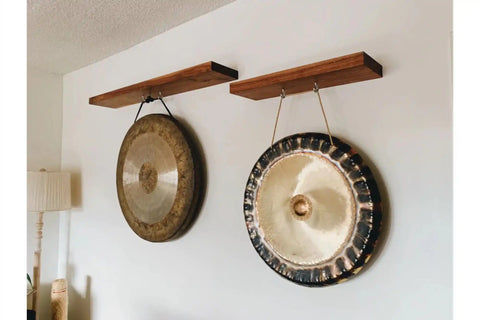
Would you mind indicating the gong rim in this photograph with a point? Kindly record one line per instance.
(357, 250)
(189, 179)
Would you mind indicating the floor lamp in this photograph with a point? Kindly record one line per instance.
(46, 191)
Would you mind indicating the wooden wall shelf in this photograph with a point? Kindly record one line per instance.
(333, 72)
(200, 76)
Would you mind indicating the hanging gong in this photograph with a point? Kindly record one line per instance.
(158, 178)
(312, 209)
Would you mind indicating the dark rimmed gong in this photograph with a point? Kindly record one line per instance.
(158, 178)
(312, 210)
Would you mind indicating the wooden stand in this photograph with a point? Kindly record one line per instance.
(342, 70)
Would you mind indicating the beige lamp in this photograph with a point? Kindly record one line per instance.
(46, 191)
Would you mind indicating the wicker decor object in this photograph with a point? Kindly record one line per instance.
(59, 299)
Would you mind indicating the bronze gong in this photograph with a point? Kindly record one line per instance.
(312, 209)
(158, 178)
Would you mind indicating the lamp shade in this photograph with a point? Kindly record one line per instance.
(48, 191)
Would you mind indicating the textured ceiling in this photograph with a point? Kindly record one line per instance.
(65, 35)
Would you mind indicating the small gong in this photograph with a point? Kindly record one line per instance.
(312, 209)
(158, 178)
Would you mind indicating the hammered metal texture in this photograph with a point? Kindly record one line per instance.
(338, 192)
(158, 178)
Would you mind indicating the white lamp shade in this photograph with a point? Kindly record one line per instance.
(48, 191)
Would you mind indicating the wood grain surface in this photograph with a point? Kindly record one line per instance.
(200, 76)
(333, 72)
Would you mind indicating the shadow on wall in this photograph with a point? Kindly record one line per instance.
(79, 305)
(386, 209)
(76, 180)
(44, 308)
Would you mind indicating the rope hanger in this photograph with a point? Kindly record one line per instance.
(315, 90)
(151, 99)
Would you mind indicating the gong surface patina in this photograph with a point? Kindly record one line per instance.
(150, 177)
(312, 209)
(158, 178)
(291, 186)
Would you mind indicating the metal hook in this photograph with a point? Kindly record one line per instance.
(315, 87)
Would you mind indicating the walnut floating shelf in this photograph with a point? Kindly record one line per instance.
(342, 70)
(200, 76)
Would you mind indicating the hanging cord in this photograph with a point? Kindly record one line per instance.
(161, 99)
(282, 96)
(151, 99)
(315, 89)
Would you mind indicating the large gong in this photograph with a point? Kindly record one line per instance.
(158, 178)
(312, 209)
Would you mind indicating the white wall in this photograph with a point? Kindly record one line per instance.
(44, 145)
(402, 122)
(44, 120)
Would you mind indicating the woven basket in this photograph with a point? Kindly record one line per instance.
(59, 299)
